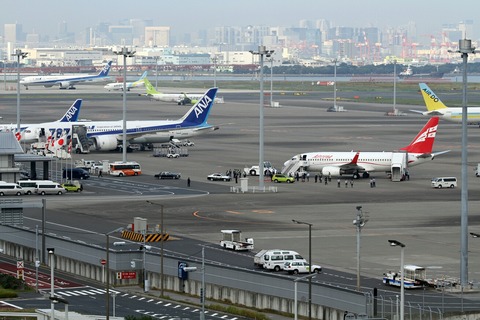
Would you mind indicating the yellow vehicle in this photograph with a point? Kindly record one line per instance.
(282, 178)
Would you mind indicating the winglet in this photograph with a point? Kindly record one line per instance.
(72, 113)
(198, 114)
(355, 158)
(423, 142)
(432, 101)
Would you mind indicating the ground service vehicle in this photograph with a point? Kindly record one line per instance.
(415, 277)
(301, 266)
(444, 182)
(72, 187)
(477, 170)
(49, 187)
(130, 168)
(268, 169)
(282, 178)
(75, 173)
(10, 189)
(29, 186)
(168, 175)
(232, 240)
(275, 259)
(218, 177)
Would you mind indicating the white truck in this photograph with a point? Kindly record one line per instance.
(477, 170)
(232, 239)
(255, 170)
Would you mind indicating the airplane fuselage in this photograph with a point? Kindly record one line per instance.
(455, 114)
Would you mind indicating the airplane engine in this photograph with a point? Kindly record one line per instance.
(64, 84)
(332, 171)
(105, 143)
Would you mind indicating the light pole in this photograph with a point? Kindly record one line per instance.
(125, 53)
(20, 55)
(214, 60)
(271, 82)
(51, 253)
(309, 265)
(395, 243)
(464, 47)
(202, 314)
(335, 84)
(156, 73)
(144, 247)
(161, 245)
(295, 306)
(395, 87)
(359, 222)
(262, 51)
(107, 282)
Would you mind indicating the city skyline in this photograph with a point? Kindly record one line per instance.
(189, 16)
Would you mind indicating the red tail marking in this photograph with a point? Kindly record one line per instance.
(355, 158)
(423, 142)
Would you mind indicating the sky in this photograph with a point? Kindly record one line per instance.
(188, 16)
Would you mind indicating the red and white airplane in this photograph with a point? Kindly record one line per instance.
(355, 163)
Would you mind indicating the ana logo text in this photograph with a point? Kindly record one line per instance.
(70, 113)
(202, 105)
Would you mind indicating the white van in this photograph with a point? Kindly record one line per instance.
(444, 182)
(49, 187)
(29, 186)
(275, 259)
(10, 189)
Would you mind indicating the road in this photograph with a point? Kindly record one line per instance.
(427, 220)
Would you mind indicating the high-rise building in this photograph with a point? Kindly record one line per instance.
(13, 33)
(157, 36)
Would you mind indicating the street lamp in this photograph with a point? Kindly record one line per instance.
(295, 306)
(125, 53)
(335, 84)
(214, 60)
(51, 253)
(161, 245)
(156, 72)
(395, 243)
(359, 222)
(262, 51)
(309, 265)
(20, 55)
(271, 82)
(107, 282)
(144, 247)
(395, 87)
(464, 47)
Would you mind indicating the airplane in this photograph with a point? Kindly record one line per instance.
(70, 116)
(178, 98)
(435, 107)
(108, 135)
(129, 85)
(354, 163)
(65, 81)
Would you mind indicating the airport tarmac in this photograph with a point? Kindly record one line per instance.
(427, 220)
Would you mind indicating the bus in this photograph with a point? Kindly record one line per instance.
(119, 168)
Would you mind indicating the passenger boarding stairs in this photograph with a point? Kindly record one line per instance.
(294, 166)
(80, 141)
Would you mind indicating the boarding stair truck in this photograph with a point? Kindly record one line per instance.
(232, 240)
(398, 166)
(295, 166)
(80, 141)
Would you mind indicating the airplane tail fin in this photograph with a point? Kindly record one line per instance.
(148, 86)
(141, 80)
(105, 70)
(432, 101)
(423, 142)
(72, 113)
(198, 114)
